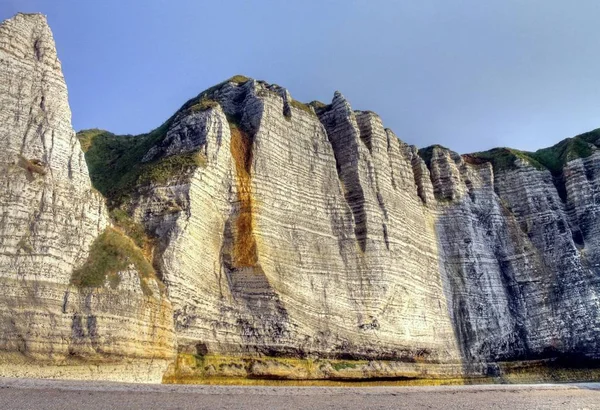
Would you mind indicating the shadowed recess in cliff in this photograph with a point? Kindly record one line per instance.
(343, 134)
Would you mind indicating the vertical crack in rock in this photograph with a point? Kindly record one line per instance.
(364, 127)
(37, 50)
(421, 177)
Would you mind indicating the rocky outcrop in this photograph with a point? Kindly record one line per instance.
(256, 236)
(313, 231)
(519, 287)
(288, 237)
(50, 215)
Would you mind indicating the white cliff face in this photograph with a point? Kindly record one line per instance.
(50, 217)
(323, 235)
(364, 250)
(283, 230)
(519, 285)
(563, 314)
(300, 236)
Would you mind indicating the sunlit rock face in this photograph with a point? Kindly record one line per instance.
(50, 216)
(314, 231)
(286, 230)
(301, 234)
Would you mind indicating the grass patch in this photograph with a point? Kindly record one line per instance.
(238, 79)
(133, 229)
(114, 161)
(301, 106)
(503, 159)
(86, 137)
(116, 167)
(343, 365)
(110, 253)
(555, 157)
(161, 171)
(203, 105)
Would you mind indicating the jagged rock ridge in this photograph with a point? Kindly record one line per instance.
(398, 253)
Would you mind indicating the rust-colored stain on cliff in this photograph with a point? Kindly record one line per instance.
(244, 248)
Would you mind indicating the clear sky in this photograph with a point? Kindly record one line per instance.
(470, 74)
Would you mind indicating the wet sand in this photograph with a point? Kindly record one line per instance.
(54, 394)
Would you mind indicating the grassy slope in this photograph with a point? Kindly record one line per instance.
(552, 158)
(115, 161)
(110, 253)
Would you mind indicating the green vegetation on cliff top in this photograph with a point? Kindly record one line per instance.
(302, 106)
(116, 168)
(504, 158)
(115, 161)
(552, 158)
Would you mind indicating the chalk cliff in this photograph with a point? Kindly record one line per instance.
(50, 216)
(265, 237)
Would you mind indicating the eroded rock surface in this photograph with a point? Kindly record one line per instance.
(288, 240)
(50, 215)
(313, 231)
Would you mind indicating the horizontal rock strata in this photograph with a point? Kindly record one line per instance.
(257, 236)
(355, 245)
(50, 217)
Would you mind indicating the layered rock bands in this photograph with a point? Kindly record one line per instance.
(284, 230)
(50, 215)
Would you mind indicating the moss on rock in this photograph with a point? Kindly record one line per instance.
(203, 105)
(111, 253)
(301, 106)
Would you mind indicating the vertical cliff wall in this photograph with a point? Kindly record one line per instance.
(298, 235)
(50, 216)
(259, 236)
(313, 231)
(520, 282)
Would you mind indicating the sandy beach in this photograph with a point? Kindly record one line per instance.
(54, 394)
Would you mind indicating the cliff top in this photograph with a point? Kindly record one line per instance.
(124, 151)
(553, 158)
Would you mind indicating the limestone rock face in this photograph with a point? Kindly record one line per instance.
(301, 234)
(313, 231)
(289, 240)
(521, 284)
(50, 215)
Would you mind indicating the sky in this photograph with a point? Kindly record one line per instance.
(466, 74)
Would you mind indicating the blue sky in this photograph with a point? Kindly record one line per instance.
(470, 75)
